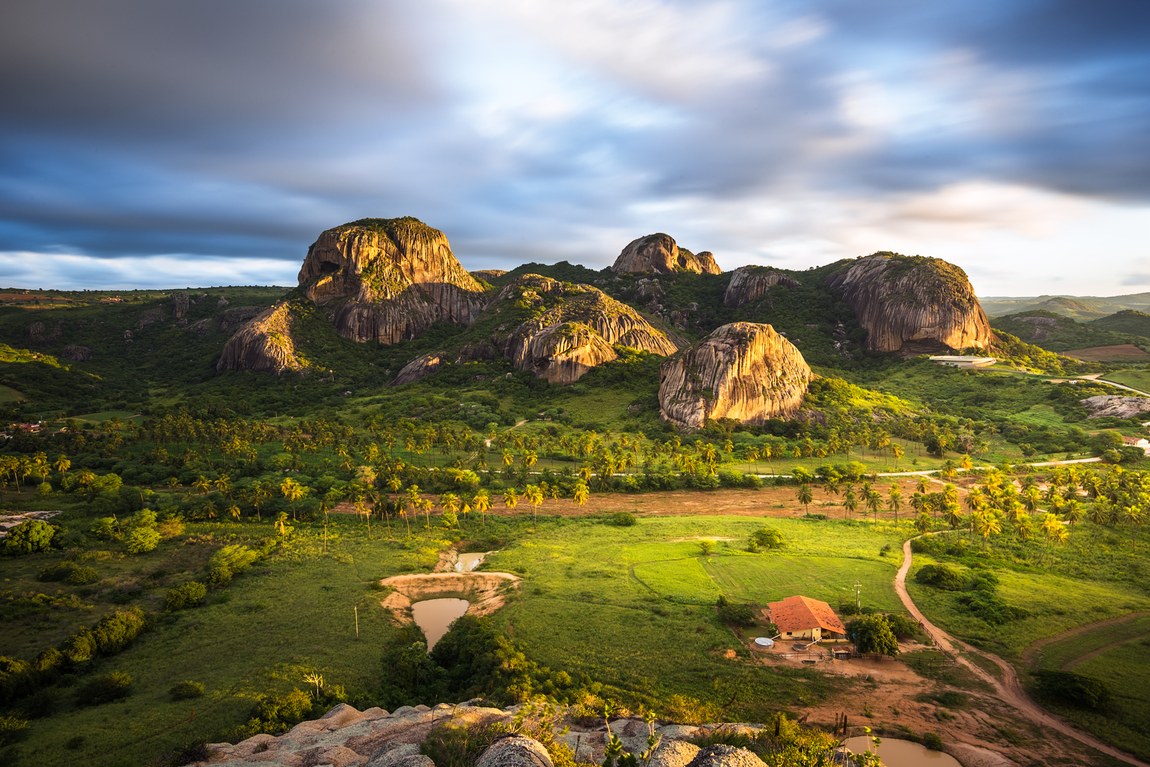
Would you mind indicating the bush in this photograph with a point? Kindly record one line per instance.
(12, 729)
(932, 740)
(735, 614)
(903, 626)
(941, 577)
(141, 540)
(229, 562)
(1068, 688)
(105, 688)
(990, 608)
(622, 519)
(766, 538)
(181, 597)
(186, 690)
(70, 572)
(29, 537)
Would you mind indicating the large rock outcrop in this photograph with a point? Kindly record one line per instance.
(660, 254)
(750, 283)
(569, 329)
(913, 304)
(744, 371)
(387, 280)
(263, 344)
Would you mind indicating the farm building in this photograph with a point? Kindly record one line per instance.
(800, 617)
(1139, 442)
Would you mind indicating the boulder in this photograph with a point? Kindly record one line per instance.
(912, 305)
(744, 371)
(725, 756)
(673, 753)
(660, 254)
(515, 751)
(264, 343)
(1116, 406)
(750, 283)
(76, 353)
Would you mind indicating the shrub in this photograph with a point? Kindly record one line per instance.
(29, 537)
(932, 740)
(903, 626)
(767, 538)
(186, 690)
(187, 595)
(228, 562)
(873, 634)
(1068, 688)
(141, 540)
(105, 689)
(990, 608)
(12, 728)
(735, 614)
(622, 519)
(941, 577)
(70, 572)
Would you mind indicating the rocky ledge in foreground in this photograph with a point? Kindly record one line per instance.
(744, 371)
(345, 737)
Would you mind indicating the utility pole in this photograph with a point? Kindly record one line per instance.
(858, 602)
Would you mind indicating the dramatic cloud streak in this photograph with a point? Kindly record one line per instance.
(1009, 138)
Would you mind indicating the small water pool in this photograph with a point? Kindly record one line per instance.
(434, 616)
(902, 753)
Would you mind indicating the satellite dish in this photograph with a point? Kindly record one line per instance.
(764, 642)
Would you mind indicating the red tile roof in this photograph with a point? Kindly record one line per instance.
(800, 613)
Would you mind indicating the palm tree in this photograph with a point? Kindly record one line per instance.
(450, 503)
(850, 501)
(805, 495)
(894, 501)
(293, 491)
(873, 500)
(482, 504)
(510, 498)
(534, 496)
(580, 494)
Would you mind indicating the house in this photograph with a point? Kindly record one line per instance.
(963, 361)
(800, 617)
(1139, 442)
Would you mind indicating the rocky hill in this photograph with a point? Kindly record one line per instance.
(912, 304)
(387, 280)
(660, 254)
(743, 371)
(556, 331)
(263, 344)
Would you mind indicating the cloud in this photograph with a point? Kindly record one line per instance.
(1135, 280)
(72, 272)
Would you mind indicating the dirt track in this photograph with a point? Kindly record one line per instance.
(1008, 689)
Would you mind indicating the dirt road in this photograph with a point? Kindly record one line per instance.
(1008, 688)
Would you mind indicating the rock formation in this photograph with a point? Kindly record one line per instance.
(570, 328)
(658, 253)
(263, 344)
(388, 280)
(346, 737)
(1116, 406)
(744, 371)
(750, 283)
(913, 305)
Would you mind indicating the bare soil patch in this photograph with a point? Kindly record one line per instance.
(486, 592)
(1117, 352)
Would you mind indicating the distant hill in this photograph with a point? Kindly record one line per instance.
(1077, 307)
(1126, 321)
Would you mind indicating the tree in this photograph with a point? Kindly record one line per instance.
(510, 498)
(805, 495)
(894, 501)
(482, 504)
(873, 634)
(534, 496)
(581, 493)
(450, 503)
(850, 501)
(293, 491)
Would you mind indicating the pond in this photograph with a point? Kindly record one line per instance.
(466, 563)
(902, 753)
(434, 616)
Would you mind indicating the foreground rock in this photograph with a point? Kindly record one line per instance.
(346, 737)
(913, 305)
(744, 371)
(660, 254)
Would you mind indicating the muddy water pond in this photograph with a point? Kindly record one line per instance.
(902, 753)
(466, 563)
(433, 616)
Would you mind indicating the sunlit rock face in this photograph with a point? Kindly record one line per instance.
(913, 304)
(568, 329)
(750, 283)
(263, 344)
(388, 280)
(660, 254)
(744, 371)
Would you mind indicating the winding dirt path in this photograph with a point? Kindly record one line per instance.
(1030, 654)
(1008, 688)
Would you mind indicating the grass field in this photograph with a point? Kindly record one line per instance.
(1136, 378)
(1116, 655)
(8, 394)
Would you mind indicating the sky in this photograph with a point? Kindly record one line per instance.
(166, 144)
